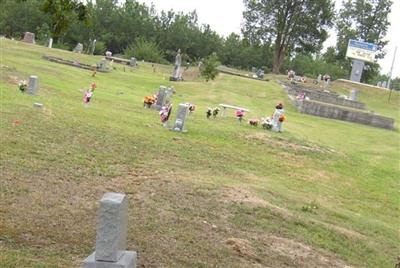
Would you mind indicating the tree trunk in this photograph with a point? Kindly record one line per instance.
(279, 55)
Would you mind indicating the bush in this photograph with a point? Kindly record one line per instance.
(100, 48)
(209, 69)
(145, 50)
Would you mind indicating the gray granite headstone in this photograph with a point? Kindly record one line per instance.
(183, 111)
(33, 85)
(78, 48)
(164, 95)
(177, 73)
(111, 238)
(103, 65)
(133, 62)
(353, 95)
(29, 38)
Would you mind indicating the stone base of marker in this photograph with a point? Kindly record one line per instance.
(128, 260)
(175, 79)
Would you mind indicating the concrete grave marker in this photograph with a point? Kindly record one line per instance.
(384, 84)
(29, 38)
(183, 111)
(177, 73)
(108, 54)
(133, 62)
(33, 85)
(103, 65)
(164, 95)
(353, 95)
(78, 48)
(50, 44)
(111, 238)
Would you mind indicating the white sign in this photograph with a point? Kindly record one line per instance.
(361, 50)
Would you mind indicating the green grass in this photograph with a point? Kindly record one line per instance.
(59, 161)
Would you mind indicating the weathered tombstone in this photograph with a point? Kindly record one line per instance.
(253, 70)
(357, 70)
(29, 38)
(379, 84)
(177, 75)
(50, 45)
(183, 111)
(133, 62)
(163, 96)
(353, 95)
(103, 65)
(384, 84)
(78, 48)
(33, 85)
(93, 47)
(260, 74)
(111, 237)
(108, 54)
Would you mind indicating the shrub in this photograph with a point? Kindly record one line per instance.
(209, 69)
(144, 50)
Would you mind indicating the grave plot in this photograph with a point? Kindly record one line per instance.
(330, 105)
(100, 67)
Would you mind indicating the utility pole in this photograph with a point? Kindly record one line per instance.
(390, 74)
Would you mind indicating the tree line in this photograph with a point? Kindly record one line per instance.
(277, 35)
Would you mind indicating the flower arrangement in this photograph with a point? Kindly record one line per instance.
(254, 122)
(266, 123)
(148, 101)
(282, 118)
(212, 111)
(22, 86)
(192, 108)
(239, 115)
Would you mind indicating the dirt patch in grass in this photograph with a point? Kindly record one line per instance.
(288, 144)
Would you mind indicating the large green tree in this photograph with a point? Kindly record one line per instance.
(289, 24)
(365, 20)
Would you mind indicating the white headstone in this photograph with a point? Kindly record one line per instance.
(50, 43)
(384, 84)
(353, 95)
(33, 85)
(108, 53)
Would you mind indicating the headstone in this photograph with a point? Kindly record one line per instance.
(357, 70)
(78, 48)
(384, 84)
(33, 85)
(253, 69)
(379, 84)
(260, 74)
(111, 237)
(50, 45)
(103, 65)
(38, 105)
(183, 111)
(353, 95)
(164, 95)
(108, 54)
(93, 47)
(133, 62)
(29, 38)
(177, 74)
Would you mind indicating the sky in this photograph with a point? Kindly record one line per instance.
(225, 17)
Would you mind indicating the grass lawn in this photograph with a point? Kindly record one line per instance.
(324, 193)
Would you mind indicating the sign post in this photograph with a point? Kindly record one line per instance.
(360, 52)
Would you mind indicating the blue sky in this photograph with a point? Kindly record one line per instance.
(225, 16)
